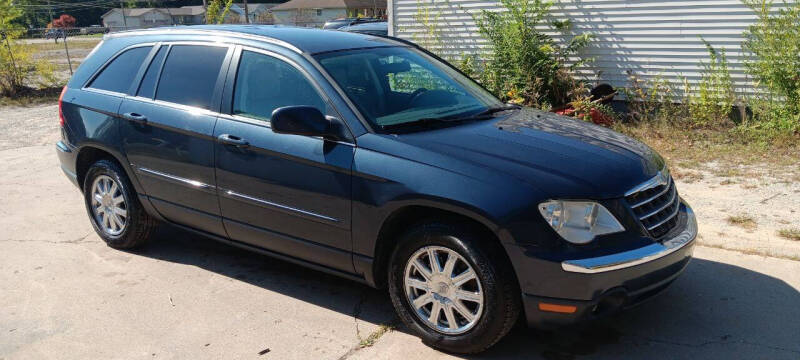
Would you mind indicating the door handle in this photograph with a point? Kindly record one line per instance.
(234, 140)
(139, 118)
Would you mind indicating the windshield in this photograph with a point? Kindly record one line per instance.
(396, 85)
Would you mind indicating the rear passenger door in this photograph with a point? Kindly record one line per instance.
(97, 103)
(286, 193)
(168, 127)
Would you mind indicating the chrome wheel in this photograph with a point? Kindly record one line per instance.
(108, 205)
(443, 290)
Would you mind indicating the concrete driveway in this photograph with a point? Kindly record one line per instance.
(65, 295)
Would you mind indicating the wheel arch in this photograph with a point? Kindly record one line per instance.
(412, 214)
(90, 153)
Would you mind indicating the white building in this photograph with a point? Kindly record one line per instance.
(314, 13)
(648, 37)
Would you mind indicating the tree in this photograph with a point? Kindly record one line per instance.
(18, 68)
(64, 21)
(217, 10)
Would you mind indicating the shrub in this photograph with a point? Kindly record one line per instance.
(18, 69)
(655, 100)
(217, 10)
(712, 101)
(771, 47)
(525, 65)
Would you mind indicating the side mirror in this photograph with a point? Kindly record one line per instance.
(303, 120)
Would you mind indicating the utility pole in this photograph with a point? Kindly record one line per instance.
(246, 13)
(122, 8)
(205, 11)
(49, 12)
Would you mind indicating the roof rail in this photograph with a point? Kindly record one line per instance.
(186, 31)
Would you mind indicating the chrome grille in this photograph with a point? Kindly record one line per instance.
(656, 204)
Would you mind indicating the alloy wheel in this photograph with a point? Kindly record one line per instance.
(443, 290)
(108, 205)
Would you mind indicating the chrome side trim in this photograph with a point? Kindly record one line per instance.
(264, 203)
(662, 178)
(638, 256)
(176, 179)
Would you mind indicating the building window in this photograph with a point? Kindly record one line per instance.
(319, 12)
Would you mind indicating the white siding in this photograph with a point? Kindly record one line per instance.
(648, 37)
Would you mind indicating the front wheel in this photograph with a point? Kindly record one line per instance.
(453, 288)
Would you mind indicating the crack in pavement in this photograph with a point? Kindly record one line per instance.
(356, 313)
(78, 240)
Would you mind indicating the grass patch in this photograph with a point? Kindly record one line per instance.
(689, 148)
(791, 234)
(52, 46)
(32, 97)
(743, 221)
(375, 335)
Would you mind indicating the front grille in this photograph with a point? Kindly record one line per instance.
(656, 207)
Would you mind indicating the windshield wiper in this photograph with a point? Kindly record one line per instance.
(495, 109)
(440, 120)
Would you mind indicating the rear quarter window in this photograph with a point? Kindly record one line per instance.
(118, 75)
(190, 75)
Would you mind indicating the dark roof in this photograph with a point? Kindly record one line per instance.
(305, 39)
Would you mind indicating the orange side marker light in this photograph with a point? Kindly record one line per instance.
(564, 309)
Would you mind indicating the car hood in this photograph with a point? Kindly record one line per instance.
(561, 156)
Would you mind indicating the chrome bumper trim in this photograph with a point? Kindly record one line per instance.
(638, 256)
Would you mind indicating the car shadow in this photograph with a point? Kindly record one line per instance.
(315, 287)
(715, 310)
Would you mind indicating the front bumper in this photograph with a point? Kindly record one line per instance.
(594, 287)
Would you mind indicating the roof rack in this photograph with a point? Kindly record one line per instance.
(186, 31)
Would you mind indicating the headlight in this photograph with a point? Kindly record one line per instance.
(579, 221)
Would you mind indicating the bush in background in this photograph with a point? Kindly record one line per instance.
(525, 65)
(711, 102)
(772, 47)
(20, 73)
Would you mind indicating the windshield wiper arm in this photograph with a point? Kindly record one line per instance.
(440, 120)
(496, 109)
(485, 113)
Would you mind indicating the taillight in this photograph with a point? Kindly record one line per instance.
(61, 120)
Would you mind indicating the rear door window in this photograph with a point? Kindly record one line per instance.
(190, 75)
(118, 75)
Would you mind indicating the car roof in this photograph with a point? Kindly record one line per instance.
(306, 40)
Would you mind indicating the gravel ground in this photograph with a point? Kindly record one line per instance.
(65, 295)
(28, 126)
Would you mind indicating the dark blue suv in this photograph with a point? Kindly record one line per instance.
(370, 158)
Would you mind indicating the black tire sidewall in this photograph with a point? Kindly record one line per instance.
(112, 170)
(464, 242)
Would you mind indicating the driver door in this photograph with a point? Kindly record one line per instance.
(286, 193)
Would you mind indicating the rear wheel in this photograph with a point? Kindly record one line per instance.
(113, 207)
(452, 288)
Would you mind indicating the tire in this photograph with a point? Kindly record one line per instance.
(494, 282)
(130, 230)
